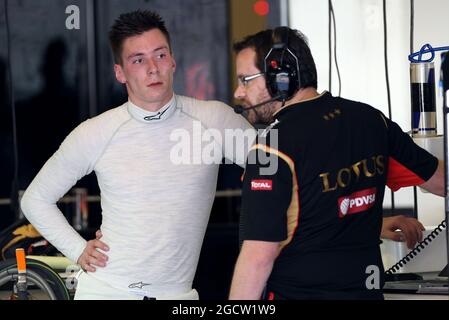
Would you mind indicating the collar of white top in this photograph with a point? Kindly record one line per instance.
(145, 116)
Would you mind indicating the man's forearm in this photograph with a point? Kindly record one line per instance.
(53, 226)
(39, 206)
(251, 273)
(435, 184)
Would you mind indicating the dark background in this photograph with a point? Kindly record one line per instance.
(62, 77)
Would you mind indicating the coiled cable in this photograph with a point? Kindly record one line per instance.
(418, 248)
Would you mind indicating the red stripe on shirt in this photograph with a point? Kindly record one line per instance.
(400, 176)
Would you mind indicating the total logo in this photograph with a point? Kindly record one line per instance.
(357, 202)
(264, 185)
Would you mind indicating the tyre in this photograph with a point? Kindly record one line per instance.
(43, 282)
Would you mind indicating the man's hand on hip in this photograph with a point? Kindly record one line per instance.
(91, 257)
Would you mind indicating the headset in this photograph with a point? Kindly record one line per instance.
(282, 67)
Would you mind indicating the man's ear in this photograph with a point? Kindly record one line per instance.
(119, 74)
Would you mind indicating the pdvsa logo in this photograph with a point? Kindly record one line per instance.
(264, 185)
(357, 202)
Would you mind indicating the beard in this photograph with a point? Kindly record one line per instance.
(264, 114)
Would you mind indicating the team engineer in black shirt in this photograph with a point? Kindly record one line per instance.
(311, 228)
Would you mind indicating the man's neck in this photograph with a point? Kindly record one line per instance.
(302, 95)
(150, 107)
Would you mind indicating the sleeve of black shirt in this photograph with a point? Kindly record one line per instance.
(408, 164)
(266, 197)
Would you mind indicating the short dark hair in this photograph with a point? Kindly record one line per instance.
(262, 42)
(132, 24)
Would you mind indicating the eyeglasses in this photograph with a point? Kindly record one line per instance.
(243, 80)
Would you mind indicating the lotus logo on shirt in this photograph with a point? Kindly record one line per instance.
(357, 202)
(263, 185)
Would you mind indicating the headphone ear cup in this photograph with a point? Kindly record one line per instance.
(281, 67)
(281, 80)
